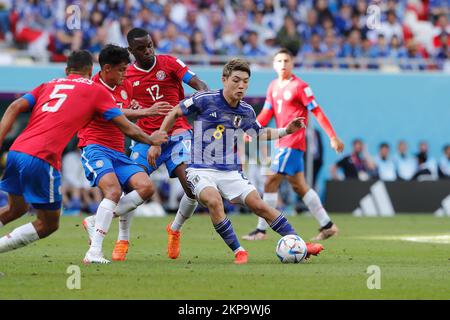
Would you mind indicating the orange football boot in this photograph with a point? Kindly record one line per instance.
(313, 249)
(241, 257)
(120, 250)
(173, 243)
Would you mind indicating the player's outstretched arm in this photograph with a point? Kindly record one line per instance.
(14, 109)
(158, 109)
(335, 142)
(292, 127)
(198, 84)
(134, 132)
(169, 120)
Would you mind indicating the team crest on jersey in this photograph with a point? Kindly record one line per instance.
(135, 155)
(274, 94)
(124, 95)
(287, 95)
(160, 75)
(136, 83)
(99, 164)
(237, 121)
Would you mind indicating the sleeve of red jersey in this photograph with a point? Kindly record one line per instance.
(308, 100)
(106, 105)
(267, 111)
(181, 70)
(33, 95)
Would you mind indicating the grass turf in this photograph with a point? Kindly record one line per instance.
(205, 270)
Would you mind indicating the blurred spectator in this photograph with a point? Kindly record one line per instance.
(173, 42)
(425, 162)
(288, 36)
(391, 27)
(380, 49)
(198, 44)
(5, 6)
(423, 171)
(444, 163)
(67, 39)
(414, 59)
(252, 48)
(351, 48)
(357, 165)
(405, 164)
(311, 27)
(314, 50)
(385, 164)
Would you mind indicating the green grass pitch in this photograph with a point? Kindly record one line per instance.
(409, 270)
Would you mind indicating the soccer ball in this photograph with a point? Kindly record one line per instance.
(291, 249)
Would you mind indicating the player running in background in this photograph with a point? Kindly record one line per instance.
(215, 171)
(160, 78)
(289, 97)
(104, 160)
(59, 109)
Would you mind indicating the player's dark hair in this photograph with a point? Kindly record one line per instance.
(79, 60)
(284, 51)
(113, 55)
(236, 65)
(383, 145)
(136, 33)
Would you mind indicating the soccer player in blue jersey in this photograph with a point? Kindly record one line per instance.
(214, 171)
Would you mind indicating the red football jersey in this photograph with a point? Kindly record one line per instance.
(288, 102)
(162, 82)
(60, 108)
(102, 132)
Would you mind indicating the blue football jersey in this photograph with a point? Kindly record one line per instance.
(217, 126)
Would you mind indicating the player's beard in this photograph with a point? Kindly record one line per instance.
(147, 63)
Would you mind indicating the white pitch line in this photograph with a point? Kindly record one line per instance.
(441, 239)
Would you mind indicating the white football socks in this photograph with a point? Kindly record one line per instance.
(18, 238)
(312, 201)
(124, 226)
(103, 220)
(271, 198)
(185, 211)
(128, 202)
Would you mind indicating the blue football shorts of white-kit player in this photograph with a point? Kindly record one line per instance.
(173, 153)
(287, 161)
(98, 160)
(216, 163)
(34, 179)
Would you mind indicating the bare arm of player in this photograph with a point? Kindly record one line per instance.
(335, 142)
(134, 132)
(17, 107)
(169, 120)
(197, 84)
(292, 127)
(158, 109)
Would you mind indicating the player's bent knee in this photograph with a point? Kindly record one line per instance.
(113, 193)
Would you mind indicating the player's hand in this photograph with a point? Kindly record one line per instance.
(158, 109)
(337, 144)
(159, 137)
(134, 105)
(153, 153)
(295, 125)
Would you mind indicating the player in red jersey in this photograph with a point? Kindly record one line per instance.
(160, 78)
(104, 160)
(289, 97)
(59, 109)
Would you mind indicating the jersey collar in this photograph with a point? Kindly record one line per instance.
(143, 70)
(105, 84)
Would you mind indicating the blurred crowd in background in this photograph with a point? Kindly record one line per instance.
(318, 32)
